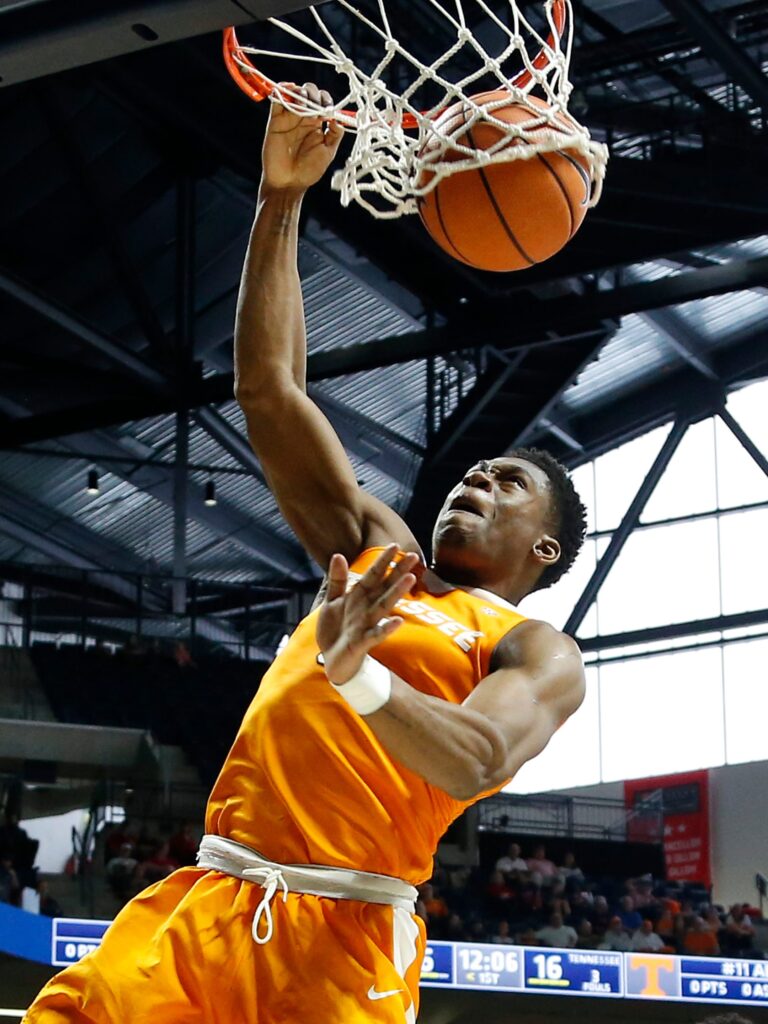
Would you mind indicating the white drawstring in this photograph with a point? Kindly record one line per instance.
(219, 854)
(269, 879)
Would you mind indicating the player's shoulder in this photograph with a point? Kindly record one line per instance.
(535, 638)
(537, 646)
(558, 657)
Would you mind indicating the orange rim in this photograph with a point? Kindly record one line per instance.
(256, 87)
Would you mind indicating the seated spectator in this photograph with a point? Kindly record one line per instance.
(570, 874)
(557, 934)
(502, 935)
(146, 844)
(712, 920)
(436, 908)
(699, 940)
(615, 937)
(739, 931)
(555, 901)
(10, 890)
(529, 899)
(116, 838)
(527, 937)
(586, 938)
(630, 918)
(668, 926)
(511, 863)
(455, 930)
(476, 932)
(121, 872)
(645, 939)
(543, 870)
(600, 915)
(183, 846)
(581, 909)
(643, 896)
(501, 898)
(49, 907)
(158, 866)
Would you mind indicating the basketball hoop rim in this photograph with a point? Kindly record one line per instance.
(258, 87)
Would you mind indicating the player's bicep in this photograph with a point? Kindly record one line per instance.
(528, 702)
(313, 481)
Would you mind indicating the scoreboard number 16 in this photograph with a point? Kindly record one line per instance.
(548, 968)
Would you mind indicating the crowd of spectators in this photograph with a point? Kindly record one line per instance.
(136, 857)
(532, 901)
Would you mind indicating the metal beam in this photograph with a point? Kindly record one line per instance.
(716, 43)
(366, 439)
(663, 69)
(656, 402)
(532, 326)
(741, 435)
(627, 525)
(716, 624)
(230, 439)
(518, 325)
(33, 299)
(671, 326)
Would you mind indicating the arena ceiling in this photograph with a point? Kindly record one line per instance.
(127, 181)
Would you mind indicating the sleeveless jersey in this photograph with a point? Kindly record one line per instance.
(307, 782)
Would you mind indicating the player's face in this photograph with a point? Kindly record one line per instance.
(497, 512)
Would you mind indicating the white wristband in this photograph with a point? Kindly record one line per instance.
(369, 688)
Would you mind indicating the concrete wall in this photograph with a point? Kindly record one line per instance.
(739, 826)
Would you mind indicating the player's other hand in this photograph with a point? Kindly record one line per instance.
(298, 150)
(352, 622)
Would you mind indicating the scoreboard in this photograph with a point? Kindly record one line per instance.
(594, 973)
(469, 965)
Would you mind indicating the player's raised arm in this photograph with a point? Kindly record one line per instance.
(304, 461)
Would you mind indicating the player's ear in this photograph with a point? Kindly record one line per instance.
(547, 550)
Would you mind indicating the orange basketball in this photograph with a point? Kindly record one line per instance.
(506, 216)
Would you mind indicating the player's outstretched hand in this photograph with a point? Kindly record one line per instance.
(352, 622)
(298, 150)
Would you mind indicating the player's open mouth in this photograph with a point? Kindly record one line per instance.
(464, 505)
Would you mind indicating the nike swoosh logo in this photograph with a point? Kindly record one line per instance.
(373, 994)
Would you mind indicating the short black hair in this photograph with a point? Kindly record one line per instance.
(569, 516)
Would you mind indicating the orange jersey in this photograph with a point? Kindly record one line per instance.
(306, 780)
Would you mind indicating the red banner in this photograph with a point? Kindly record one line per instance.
(675, 810)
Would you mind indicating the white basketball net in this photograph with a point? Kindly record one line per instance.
(384, 172)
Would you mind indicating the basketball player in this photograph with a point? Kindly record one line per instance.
(409, 694)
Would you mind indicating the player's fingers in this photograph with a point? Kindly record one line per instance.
(384, 627)
(282, 91)
(374, 576)
(326, 100)
(393, 593)
(311, 93)
(338, 576)
(404, 567)
(380, 578)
